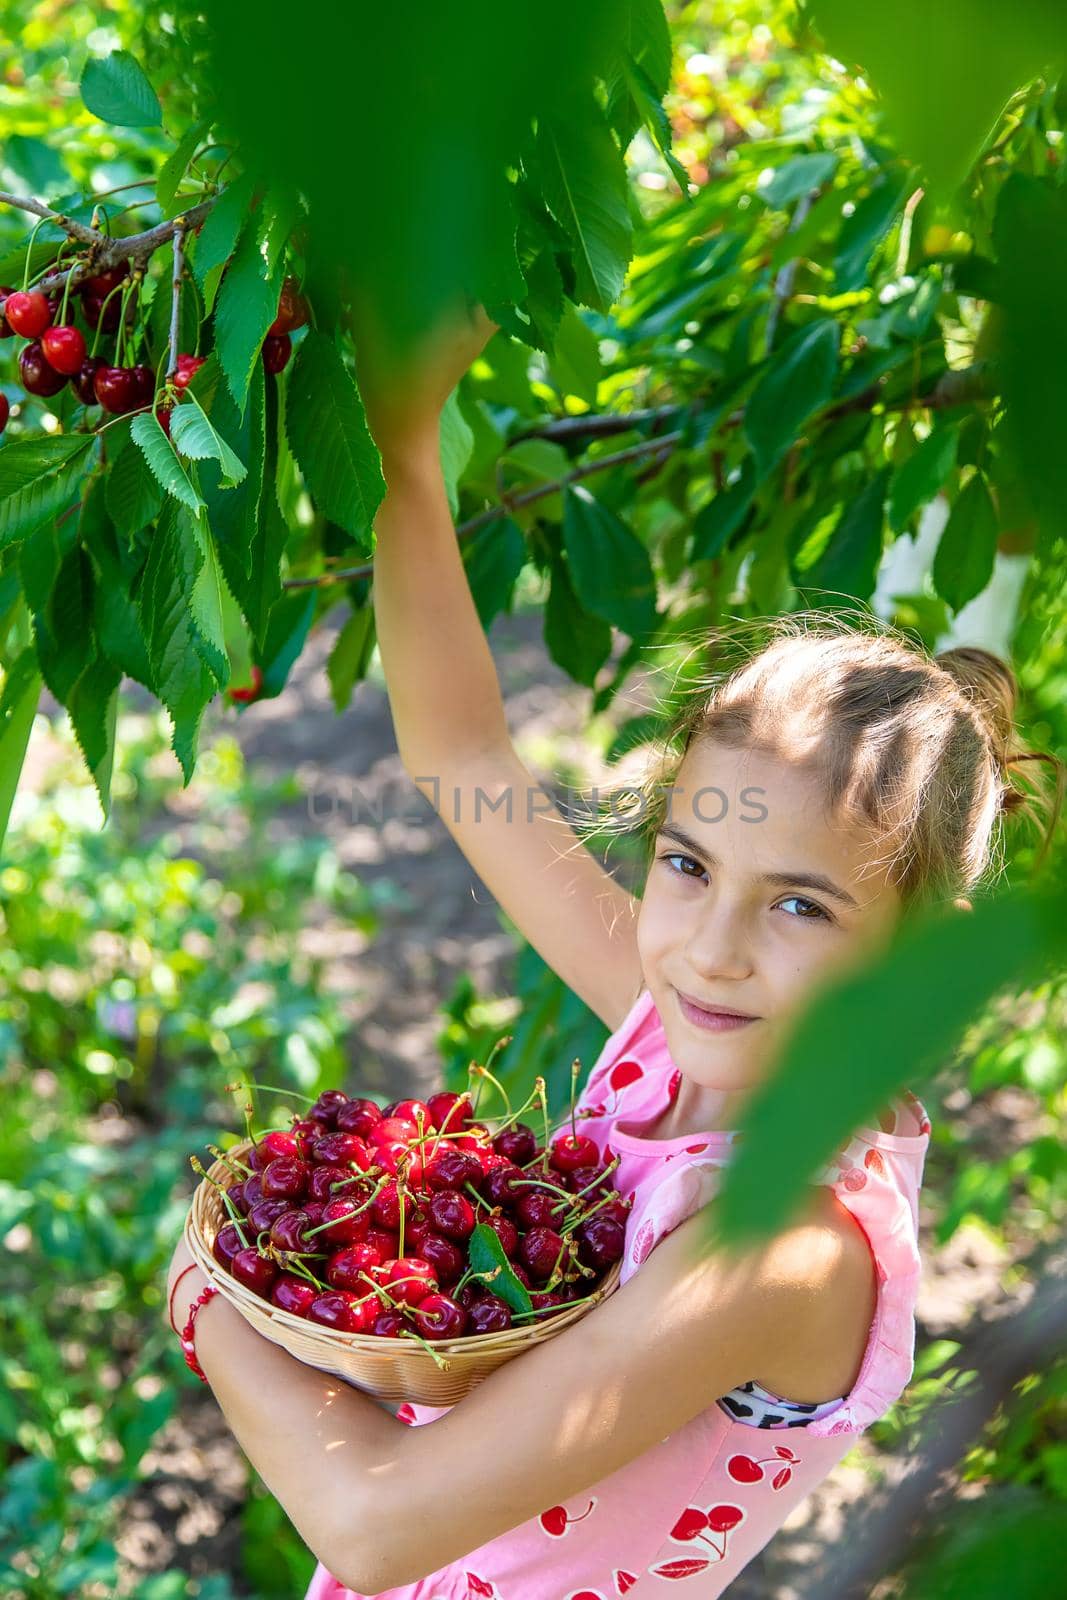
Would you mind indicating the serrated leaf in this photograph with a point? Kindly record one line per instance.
(585, 184)
(849, 563)
(717, 522)
(173, 169)
(799, 379)
(115, 89)
(180, 677)
(132, 491)
(192, 435)
(92, 706)
(488, 1261)
(493, 559)
(205, 607)
(246, 305)
(350, 656)
(222, 227)
(967, 549)
(37, 479)
(159, 453)
(575, 361)
(115, 619)
(577, 642)
(18, 704)
(330, 440)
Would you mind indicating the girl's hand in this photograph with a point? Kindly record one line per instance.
(403, 394)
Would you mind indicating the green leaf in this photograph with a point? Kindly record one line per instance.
(115, 618)
(717, 522)
(159, 453)
(351, 655)
(922, 476)
(910, 1009)
(247, 304)
(115, 89)
(173, 169)
(797, 178)
(330, 439)
(18, 703)
(861, 232)
(180, 677)
(585, 184)
(222, 227)
(493, 559)
(457, 443)
(797, 382)
(577, 642)
(287, 630)
(488, 1261)
(967, 549)
(575, 363)
(37, 478)
(133, 493)
(205, 607)
(192, 435)
(92, 705)
(849, 563)
(609, 566)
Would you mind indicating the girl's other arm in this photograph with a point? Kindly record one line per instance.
(448, 712)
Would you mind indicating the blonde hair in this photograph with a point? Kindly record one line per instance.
(922, 750)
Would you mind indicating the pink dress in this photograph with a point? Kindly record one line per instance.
(685, 1517)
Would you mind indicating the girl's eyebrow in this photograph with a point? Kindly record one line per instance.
(809, 880)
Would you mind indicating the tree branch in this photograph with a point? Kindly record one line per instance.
(176, 297)
(105, 252)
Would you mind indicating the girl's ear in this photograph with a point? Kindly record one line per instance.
(963, 904)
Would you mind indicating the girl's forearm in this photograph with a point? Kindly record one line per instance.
(320, 1446)
(442, 681)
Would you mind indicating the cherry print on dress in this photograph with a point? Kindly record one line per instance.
(673, 1085)
(873, 1159)
(695, 1523)
(749, 1469)
(405, 1413)
(854, 1179)
(624, 1580)
(642, 1243)
(557, 1519)
(688, 1150)
(478, 1586)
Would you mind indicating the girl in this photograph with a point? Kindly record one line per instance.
(833, 779)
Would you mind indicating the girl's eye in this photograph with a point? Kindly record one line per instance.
(814, 913)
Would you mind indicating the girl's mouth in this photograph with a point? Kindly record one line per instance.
(712, 1020)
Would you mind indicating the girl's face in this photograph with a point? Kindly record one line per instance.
(753, 899)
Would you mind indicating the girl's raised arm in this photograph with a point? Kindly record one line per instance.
(448, 712)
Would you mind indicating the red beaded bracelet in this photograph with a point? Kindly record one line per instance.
(188, 1347)
(170, 1302)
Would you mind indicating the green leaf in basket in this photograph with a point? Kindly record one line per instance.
(487, 1261)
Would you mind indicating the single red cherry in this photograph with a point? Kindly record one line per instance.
(542, 1298)
(188, 366)
(490, 1314)
(286, 1178)
(277, 348)
(272, 1145)
(265, 1213)
(358, 1116)
(294, 1294)
(5, 410)
(410, 1279)
(253, 1187)
(451, 1169)
(385, 1241)
(28, 312)
(336, 1149)
(143, 380)
(82, 381)
(518, 1143)
(100, 316)
(334, 1309)
(6, 331)
(570, 1151)
(391, 1130)
(387, 1204)
(343, 1222)
(389, 1324)
(256, 1272)
(537, 1208)
(601, 1241)
(115, 389)
(439, 1317)
(292, 309)
(289, 1232)
(504, 1229)
(226, 1244)
(64, 349)
(450, 1112)
(540, 1249)
(452, 1214)
(323, 1179)
(38, 377)
(348, 1268)
(327, 1106)
(501, 1186)
(102, 283)
(444, 1257)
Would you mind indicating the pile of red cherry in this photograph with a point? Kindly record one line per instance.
(376, 1220)
(57, 355)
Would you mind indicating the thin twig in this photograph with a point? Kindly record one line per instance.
(176, 299)
(105, 252)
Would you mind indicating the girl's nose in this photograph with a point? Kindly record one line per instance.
(719, 947)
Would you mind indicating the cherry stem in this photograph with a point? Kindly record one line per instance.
(577, 1222)
(542, 1183)
(608, 1170)
(297, 1265)
(29, 251)
(576, 1067)
(483, 1072)
(233, 1163)
(268, 1088)
(66, 284)
(479, 1198)
(539, 1089)
(235, 1217)
(439, 1360)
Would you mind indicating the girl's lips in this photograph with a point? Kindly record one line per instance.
(714, 1021)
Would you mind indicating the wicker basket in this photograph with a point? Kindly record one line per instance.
(391, 1369)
